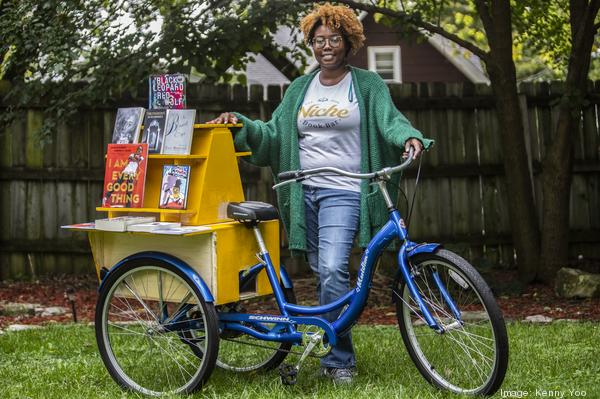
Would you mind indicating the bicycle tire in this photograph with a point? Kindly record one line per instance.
(471, 358)
(139, 352)
(239, 352)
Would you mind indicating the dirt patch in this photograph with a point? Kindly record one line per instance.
(533, 300)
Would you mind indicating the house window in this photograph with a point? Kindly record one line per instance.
(385, 60)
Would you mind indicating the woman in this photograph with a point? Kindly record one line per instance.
(337, 116)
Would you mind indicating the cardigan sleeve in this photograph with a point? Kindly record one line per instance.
(392, 125)
(260, 138)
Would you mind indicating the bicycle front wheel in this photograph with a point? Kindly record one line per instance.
(471, 355)
(144, 311)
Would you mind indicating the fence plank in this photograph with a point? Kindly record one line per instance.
(580, 208)
(590, 141)
(19, 137)
(33, 149)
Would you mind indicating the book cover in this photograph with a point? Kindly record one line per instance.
(125, 175)
(179, 130)
(121, 223)
(153, 226)
(174, 186)
(182, 230)
(127, 125)
(166, 91)
(154, 130)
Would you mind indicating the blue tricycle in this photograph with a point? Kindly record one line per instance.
(159, 331)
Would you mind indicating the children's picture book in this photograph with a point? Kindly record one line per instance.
(166, 91)
(179, 130)
(125, 175)
(154, 130)
(174, 186)
(153, 226)
(121, 223)
(128, 125)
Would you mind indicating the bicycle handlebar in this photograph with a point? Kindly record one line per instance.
(299, 175)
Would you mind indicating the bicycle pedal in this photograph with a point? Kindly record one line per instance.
(288, 374)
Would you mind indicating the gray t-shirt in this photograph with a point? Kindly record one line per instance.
(329, 132)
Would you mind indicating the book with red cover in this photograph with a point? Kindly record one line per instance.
(125, 175)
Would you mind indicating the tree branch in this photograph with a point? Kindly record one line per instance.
(431, 28)
(484, 14)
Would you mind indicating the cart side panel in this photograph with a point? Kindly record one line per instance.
(236, 248)
(197, 250)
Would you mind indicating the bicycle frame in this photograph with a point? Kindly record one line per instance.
(354, 301)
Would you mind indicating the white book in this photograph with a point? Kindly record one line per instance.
(182, 230)
(153, 226)
(128, 125)
(179, 130)
(120, 223)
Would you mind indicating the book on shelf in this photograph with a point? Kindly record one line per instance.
(174, 187)
(179, 130)
(127, 125)
(125, 175)
(166, 91)
(121, 223)
(152, 226)
(182, 230)
(154, 130)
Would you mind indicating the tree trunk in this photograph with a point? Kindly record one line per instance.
(496, 19)
(556, 189)
(557, 166)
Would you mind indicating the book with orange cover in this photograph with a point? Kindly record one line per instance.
(125, 175)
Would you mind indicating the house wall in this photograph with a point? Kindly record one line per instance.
(420, 61)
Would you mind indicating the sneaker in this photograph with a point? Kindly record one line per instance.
(338, 375)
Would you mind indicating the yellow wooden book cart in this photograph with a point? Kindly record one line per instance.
(218, 253)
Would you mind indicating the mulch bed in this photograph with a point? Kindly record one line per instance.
(534, 300)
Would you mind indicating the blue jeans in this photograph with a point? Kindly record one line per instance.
(332, 217)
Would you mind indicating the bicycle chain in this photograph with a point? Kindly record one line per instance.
(268, 347)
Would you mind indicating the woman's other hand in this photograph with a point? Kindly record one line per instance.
(416, 144)
(225, 117)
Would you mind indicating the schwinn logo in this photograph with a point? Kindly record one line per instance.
(363, 265)
(269, 318)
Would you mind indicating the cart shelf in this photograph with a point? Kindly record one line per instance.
(218, 253)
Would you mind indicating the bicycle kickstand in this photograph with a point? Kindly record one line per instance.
(289, 372)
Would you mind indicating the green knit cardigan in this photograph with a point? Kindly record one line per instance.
(383, 131)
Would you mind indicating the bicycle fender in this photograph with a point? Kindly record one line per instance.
(173, 261)
(423, 248)
(285, 278)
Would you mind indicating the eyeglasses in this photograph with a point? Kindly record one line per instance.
(334, 41)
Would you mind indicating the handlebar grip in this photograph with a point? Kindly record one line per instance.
(290, 174)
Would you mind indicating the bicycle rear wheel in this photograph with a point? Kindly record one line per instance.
(243, 353)
(471, 356)
(143, 311)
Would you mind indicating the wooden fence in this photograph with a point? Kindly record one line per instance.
(461, 198)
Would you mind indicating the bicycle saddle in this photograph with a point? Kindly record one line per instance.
(251, 211)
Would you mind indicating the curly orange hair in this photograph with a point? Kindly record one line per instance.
(334, 17)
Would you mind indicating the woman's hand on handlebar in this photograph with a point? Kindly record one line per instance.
(416, 144)
(225, 117)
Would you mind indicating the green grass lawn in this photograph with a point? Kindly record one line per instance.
(62, 362)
